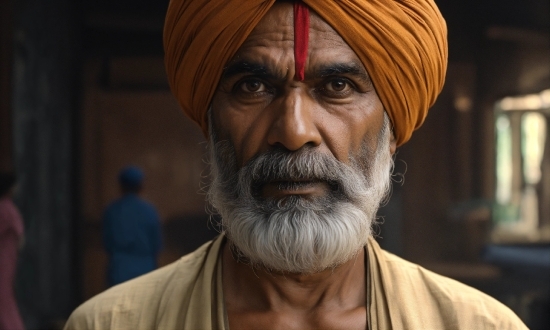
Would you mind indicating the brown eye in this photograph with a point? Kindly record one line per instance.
(337, 85)
(252, 86)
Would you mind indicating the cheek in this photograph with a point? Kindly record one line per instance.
(346, 132)
(243, 128)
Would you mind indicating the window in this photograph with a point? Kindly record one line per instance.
(521, 210)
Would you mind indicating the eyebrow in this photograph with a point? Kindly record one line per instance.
(353, 69)
(321, 71)
(241, 67)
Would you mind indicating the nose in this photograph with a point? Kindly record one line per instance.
(294, 126)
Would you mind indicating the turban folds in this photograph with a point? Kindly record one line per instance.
(401, 43)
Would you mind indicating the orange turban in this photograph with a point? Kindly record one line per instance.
(401, 43)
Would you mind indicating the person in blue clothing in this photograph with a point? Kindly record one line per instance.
(131, 230)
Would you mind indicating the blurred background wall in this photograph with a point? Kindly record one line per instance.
(84, 93)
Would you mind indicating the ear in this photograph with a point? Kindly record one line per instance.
(393, 143)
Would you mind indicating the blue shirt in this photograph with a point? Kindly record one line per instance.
(132, 237)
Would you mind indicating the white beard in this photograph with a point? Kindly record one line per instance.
(298, 234)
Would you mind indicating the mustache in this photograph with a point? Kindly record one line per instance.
(289, 170)
(292, 168)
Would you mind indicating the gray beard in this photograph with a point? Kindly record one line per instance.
(299, 234)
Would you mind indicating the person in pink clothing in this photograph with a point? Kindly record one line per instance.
(11, 237)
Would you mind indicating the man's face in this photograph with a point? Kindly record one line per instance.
(297, 163)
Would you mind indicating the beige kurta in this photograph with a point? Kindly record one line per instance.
(187, 294)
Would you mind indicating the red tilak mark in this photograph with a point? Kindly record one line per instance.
(301, 38)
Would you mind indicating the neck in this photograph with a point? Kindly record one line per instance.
(246, 287)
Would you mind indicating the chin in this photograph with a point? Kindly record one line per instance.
(296, 234)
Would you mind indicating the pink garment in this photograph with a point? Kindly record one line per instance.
(11, 230)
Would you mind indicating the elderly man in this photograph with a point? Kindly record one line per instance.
(304, 104)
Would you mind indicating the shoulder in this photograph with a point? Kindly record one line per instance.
(130, 201)
(141, 302)
(461, 306)
(149, 205)
(144, 204)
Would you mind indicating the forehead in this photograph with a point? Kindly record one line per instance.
(273, 38)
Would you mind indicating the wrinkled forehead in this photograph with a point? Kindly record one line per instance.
(283, 15)
(299, 31)
(278, 23)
